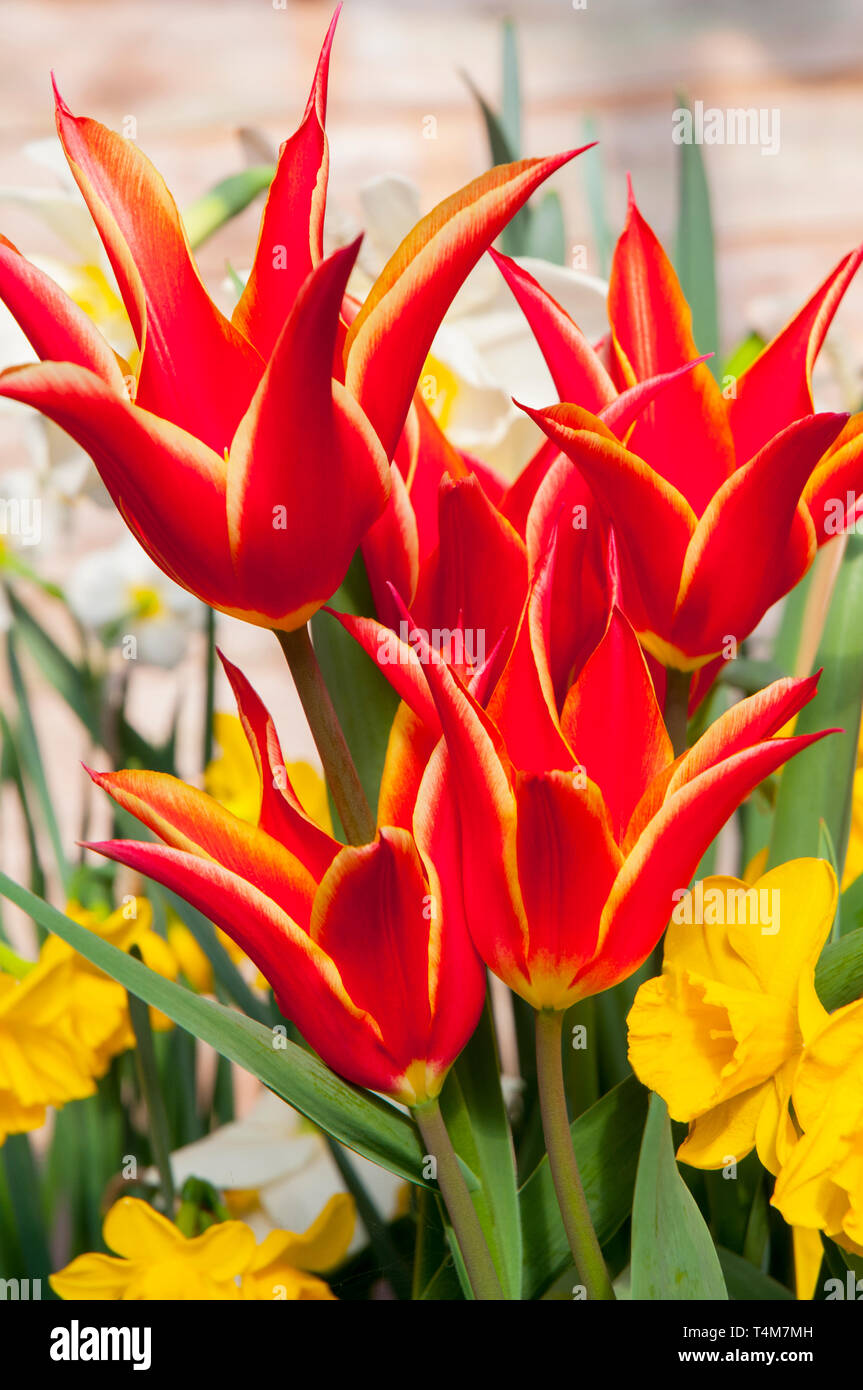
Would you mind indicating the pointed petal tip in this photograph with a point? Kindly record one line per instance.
(60, 107)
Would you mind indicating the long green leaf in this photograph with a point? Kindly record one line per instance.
(818, 783)
(695, 256)
(365, 702)
(673, 1255)
(510, 112)
(361, 1121)
(76, 685)
(475, 1115)
(31, 760)
(745, 1282)
(606, 1139)
(591, 166)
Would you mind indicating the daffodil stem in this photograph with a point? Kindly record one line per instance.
(676, 713)
(339, 769)
(462, 1212)
(561, 1157)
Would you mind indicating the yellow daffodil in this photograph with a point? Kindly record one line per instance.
(720, 1033)
(820, 1186)
(155, 1260)
(95, 1001)
(286, 1266)
(42, 1060)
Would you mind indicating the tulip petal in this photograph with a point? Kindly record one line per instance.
(754, 541)
(456, 973)
(475, 542)
(281, 815)
(567, 863)
(777, 388)
(57, 329)
(303, 464)
(196, 369)
(653, 522)
(834, 492)
(667, 853)
(577, 372)
(652, 327)
(749, 721)
(614, 692)
(390, 338)
(290, 241)
(368, 917)
(142, 461)
(189, 820)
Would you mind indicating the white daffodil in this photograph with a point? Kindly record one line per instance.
(276, 1169)
(59, 470)
(484, 352)
(119, 593)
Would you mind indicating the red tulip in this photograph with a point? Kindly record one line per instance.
(246, 455)
(365, 946)
(718, 501)
(577, 824)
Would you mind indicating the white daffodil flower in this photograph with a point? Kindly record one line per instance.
(281, 1170)
(118, 591)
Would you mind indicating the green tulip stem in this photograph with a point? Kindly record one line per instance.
(561, 1157)
(462, 1212)
(339, 769)
(676, 713)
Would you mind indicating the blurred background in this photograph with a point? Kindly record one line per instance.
(209, 86)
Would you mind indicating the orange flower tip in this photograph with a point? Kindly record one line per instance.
(630, 194)
(557, 160)
(59, 103)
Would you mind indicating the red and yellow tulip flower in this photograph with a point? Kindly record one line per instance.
(718, 499)
(270, 429)
(365, 946)
(578, 826)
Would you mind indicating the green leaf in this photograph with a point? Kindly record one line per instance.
(591, 167)
(839, 973)
(818, 782)
(606, 1140)
(744, 355)
(514, 237)
(24, 1182)
(227, 198)
(694, 256)
(31, 760)
(475, 1116)
(546, 236)
(76, 685)
(359, 1120)
(364, 701)
(744, 1281)
(510, 115)
(673, 1255)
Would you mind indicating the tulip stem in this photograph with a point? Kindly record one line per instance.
(339, 769)
(462, 1212)
(561, 1157)
(676, 712)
